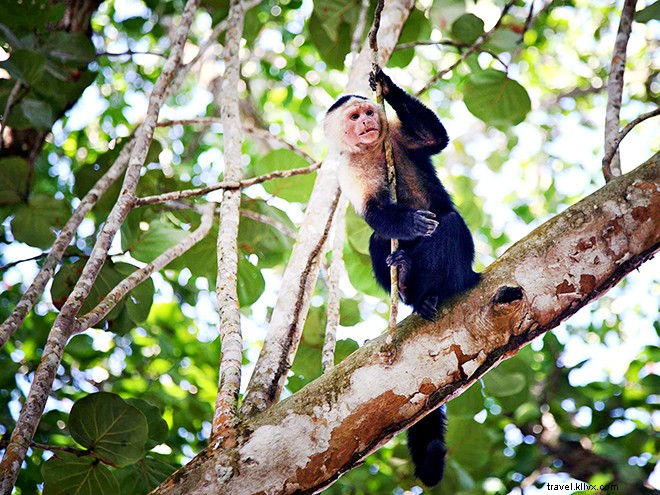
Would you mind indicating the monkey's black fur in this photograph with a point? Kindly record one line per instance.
(436, 250)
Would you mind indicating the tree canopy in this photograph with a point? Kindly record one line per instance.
(161, 191)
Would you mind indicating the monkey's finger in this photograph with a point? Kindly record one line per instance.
(426, 213)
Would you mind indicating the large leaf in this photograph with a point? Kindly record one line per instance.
(296, 188)
(267, 242)
(358, 231)
(34, 223)
(494, 98)
(143, 476)
(160, 236)
(112, 429)
(651, 12)
(251, 283)
(157, 425)
(13, 180)
(358, 267)
(467, 28)
(65, 474)
(69, 48)
(417, 27)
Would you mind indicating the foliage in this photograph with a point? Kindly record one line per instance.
(134, 397)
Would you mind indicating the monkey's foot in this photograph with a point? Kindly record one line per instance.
(428, 308)
(424, 223)
(402, 261)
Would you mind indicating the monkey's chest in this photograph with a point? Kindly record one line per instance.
(359, 184)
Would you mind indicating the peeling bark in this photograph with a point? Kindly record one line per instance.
(364, 401)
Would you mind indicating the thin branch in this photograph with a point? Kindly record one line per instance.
(256, 132)
(607, 159)
(415, 44)
(130, 53)
(52, 448)
(138, 276)
(475, 47)
(391, 169)
(265, 219)
(227, 185)
(14, 321)
(231, 338)
(11, 101)
(64, 327)
(334, 294)
(612, 168)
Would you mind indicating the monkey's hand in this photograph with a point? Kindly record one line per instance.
(380, 77)
(424, 223)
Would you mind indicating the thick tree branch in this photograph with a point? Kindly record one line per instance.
(612, 168)
(64, 327)
(361, 403)
(300, 276)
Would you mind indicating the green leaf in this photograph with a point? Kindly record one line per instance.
(651, 12)
(358, 267)
(349, 310)
(69, 48)
(502, 40)
(14, 173)
(143, 476)
(34, 223)
(158, 428)
(138, 301)
(24, 65)
(500, 384)
(66, 473)
(467, 28)
(160, 236)
(37, 113)
(251, 283)
(417, 27)
(294, 189)
(358, 231)
(494, 98)
(112, 429)
(267, 242)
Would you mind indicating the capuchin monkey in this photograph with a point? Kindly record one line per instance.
(436, 251)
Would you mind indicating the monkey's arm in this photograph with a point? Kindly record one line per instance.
(419, 124)
(393, 221)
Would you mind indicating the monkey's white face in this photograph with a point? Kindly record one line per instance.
(361, 123)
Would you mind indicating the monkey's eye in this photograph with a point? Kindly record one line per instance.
(355, 116)
(370, 112)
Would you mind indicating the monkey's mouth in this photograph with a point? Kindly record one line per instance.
(367, 131)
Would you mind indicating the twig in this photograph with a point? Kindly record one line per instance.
(612, 168)
(11, 101)
(138, 276)
(414, 44)
(334, 293)
(607, 159)
(52, 448)
(475, 46)
(257, 132)
(265, 219)
(130, 53)
(391, 169)
(63, 327)
(227, 185)
(231, 339)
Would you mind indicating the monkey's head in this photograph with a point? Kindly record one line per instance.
(355, 123)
